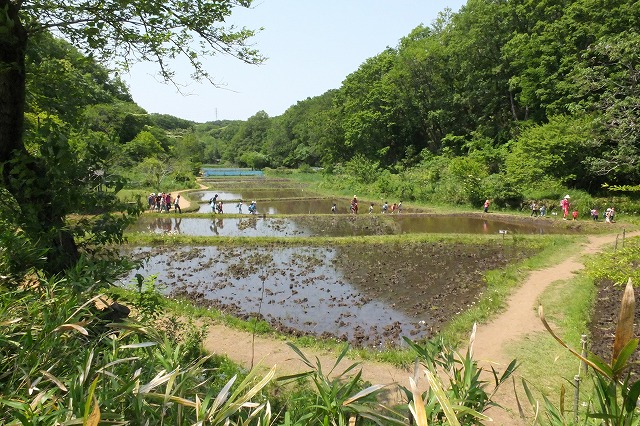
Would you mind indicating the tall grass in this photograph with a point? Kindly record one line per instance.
(64, 361)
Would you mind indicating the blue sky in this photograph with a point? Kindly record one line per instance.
(311, 45)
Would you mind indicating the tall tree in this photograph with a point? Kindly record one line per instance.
(124, 30)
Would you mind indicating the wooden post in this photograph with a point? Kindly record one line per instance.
(576, 397)
(583, 342)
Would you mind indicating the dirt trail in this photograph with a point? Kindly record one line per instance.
(184, 201)
(518, 320)
(521, 319)
(241, 347)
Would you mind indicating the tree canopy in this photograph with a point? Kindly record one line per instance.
(495, 80)
(38, 160)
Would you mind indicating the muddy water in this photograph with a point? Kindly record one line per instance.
(368, 295)
(249, 194)
(335, 225)
(306, 206)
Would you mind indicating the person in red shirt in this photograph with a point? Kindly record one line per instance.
(565, 206)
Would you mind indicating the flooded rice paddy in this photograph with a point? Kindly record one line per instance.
(335, 225)
(369, 295)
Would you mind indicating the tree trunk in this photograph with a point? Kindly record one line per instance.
(13, 44)
(33, 194)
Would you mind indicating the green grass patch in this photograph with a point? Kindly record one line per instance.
(533, 241)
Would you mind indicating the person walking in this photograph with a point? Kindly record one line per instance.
(565, 204)
(354, 205)
(486, 205)
(176, 204)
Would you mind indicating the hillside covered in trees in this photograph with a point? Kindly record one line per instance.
(508, 99)
(504, 100)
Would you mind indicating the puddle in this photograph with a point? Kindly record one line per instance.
(367, 295)
(334, 225)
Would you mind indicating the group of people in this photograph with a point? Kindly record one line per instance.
(162, 202)
(538, 209)
(218, 208)
(386, 209)
(353, 207)
(609, 214)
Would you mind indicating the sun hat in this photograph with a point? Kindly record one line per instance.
(567, 196)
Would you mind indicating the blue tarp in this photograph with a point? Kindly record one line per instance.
(231, 172)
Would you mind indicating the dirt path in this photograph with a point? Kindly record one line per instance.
(519, 320)
(184, 201)
(240, 347)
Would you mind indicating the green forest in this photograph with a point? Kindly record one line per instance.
(508, 101)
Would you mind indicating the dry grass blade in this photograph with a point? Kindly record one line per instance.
(559, 340)
(417, 405)
(161, 378)
(13, 321)
(363, 393)
(624, 328)
(94, 417)
(171, 398)
(138, 345)
(78, 328)
(55, 380)
(37, 400)
(472, 338)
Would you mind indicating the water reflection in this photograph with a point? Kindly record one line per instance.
(339, 226)
(216, 225)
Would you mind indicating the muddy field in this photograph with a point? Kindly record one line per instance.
(369, 295)
(604, 320)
